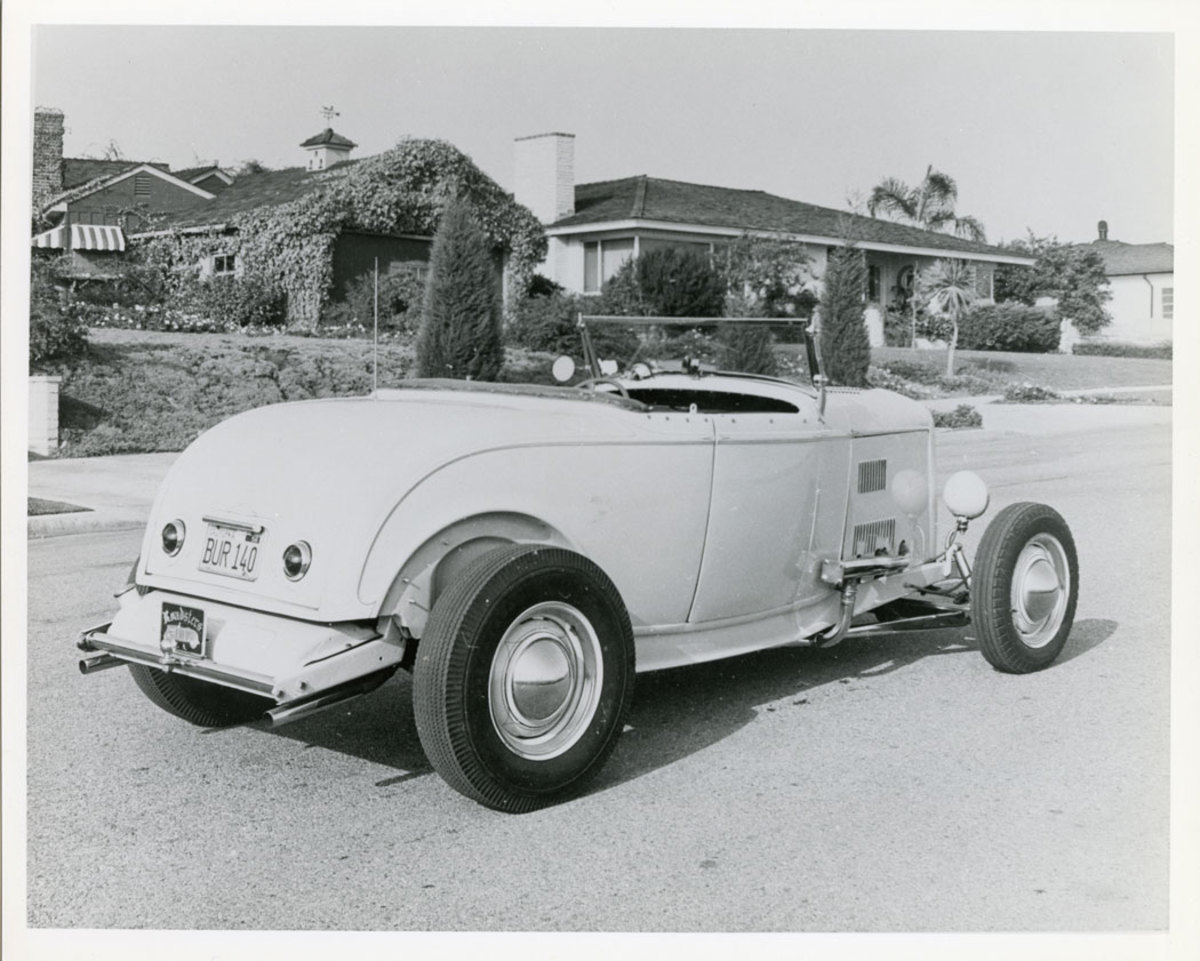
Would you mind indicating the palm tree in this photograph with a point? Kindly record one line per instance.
(947, 287)
(929, 205)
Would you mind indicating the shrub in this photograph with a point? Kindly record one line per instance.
(1010, 326)
(1111, 348)
(460, 317)
(549, 323)
(898, 328)
(679, 282)
(239, 302)
(401, 292)
(1029, 394)
(56, 333)
(748, 349)
(963, 416)
(845, 346)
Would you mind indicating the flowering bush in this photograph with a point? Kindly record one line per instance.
(1029, 394)
(963, 416)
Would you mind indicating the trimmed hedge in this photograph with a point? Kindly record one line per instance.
(1112, 348)
(1009, 326)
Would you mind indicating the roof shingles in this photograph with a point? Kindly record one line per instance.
(671, 201)
(1121, 259)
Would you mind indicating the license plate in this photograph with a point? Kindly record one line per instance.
(232, 551)
(183, 630)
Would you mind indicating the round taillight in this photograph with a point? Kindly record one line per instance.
(296, 560)
(173, 533)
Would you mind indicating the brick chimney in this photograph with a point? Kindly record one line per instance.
(1103, 228)
(47, 155)
(544, 175)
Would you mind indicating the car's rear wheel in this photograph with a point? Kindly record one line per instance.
(1024, 588)
(197, 702)
(523, 677)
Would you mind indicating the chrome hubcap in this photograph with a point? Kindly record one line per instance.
(1041, 586)
(545, 680)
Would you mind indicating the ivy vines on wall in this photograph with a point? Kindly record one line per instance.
(401, 191)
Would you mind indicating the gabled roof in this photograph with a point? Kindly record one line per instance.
(78, 171)
(127, 171)
(249, 192)
(195, 174)
(1121, 259)
(645, 198)
(328, 138)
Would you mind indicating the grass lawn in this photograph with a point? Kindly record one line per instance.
(1057, 371)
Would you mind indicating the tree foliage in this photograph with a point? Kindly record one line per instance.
(947, 289)
(460, 332)
(56, 333)
(679, 282)
(1073, 274)
(845, 346)
(929, 205)
(772, 276)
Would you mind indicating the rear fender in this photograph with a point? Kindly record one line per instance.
(436, 563)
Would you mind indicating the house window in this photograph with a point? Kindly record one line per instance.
(224, 265)
(873, 283)
(613, 253)
(602, 259)
(141, 185)
(591, 267)
(1168, 303)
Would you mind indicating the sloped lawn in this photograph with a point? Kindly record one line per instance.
(1059, 372)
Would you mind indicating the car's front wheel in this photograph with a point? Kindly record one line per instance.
(523, 677)
(1024, 588)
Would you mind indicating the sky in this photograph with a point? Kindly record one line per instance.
(1044, 131)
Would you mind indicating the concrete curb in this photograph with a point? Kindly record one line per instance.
(82, 522)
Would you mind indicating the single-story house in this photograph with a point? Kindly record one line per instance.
(593, 228)
(1141, 278)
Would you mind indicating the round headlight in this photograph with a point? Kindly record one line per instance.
(966, 495)
(173, 533)
(296, 560)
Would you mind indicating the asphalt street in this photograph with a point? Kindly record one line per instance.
(888, 784)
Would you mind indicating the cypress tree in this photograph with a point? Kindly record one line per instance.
(845, 346)
(460, 332)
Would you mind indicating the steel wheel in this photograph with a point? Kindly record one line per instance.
(545, 680)
(1024, 588)
(1041, 587)
(523, 677)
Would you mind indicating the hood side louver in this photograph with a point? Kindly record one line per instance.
(872, 476)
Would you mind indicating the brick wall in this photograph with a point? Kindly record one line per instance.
(47, 155)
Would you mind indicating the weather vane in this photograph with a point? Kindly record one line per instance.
(329, 113)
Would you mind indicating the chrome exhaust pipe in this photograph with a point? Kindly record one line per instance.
(101, 662)
(295, 710)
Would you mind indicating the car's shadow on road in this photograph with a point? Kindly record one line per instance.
(675, 713)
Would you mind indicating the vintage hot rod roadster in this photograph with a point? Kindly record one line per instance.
(524, 550)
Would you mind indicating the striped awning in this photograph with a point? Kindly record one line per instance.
(83, 237)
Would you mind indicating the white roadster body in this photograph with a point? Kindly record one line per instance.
(534, 546)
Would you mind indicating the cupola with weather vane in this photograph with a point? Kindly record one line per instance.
(327, 148)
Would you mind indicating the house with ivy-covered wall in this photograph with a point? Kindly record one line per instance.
(308, 232)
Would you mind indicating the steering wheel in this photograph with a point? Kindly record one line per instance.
(594, 382)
